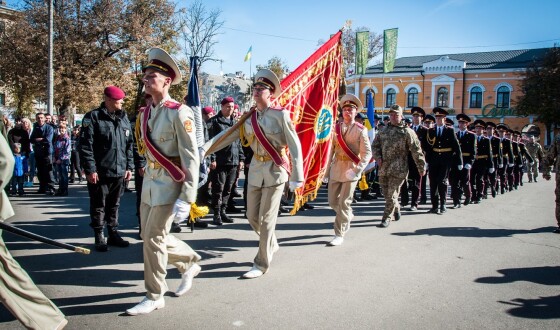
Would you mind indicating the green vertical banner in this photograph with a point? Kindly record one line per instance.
(362, 50)
(389, 49)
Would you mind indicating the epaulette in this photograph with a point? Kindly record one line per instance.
(360, 126)
(277, 108)
(141, 109)
(172, 105)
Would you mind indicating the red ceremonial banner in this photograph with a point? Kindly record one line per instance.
(310, 93)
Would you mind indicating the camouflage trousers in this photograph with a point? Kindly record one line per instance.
(391, 186)
(557, 195)
(533, 170)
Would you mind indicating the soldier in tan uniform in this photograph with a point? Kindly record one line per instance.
(552, 159)
(17, 291)
(535, 150)
(390, 149)
(170, 181)
(269, 132)
(350, 154)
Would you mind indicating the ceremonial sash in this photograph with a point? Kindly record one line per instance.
(355, 159)
(174, 171)
(269, 148)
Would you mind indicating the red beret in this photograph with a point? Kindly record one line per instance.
(226, 100)
(208, 110)
(236, 106)
(114, 92)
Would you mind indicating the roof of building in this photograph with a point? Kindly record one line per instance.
(507, 59)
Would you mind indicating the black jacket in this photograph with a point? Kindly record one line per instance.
(230, 155)
(106, 143)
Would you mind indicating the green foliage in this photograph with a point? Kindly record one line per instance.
(276, 65)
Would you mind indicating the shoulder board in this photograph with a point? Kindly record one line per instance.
(360, 126)
(172, 105)
(277, 108)
(142, 109)
(472, 132)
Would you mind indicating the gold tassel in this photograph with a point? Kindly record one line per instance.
(363, 183)
(197, 212)
(138, 135)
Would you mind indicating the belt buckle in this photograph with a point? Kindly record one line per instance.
(260, 158)
(152, 165)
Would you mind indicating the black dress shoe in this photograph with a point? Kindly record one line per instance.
(423, 201)
(175, 227)
(308, 206)
(199, 224)
(456, 206)
(282, 209)
(433, 210)
(557, 230)
(384, 224)
(397, 215)
(443, 209)
(467, 201)
(235, 193)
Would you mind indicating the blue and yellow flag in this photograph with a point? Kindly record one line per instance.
(248, 55)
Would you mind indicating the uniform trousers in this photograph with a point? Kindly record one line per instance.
(479, 171)
(391, 186)
(340, 200)
(162, 248)
(423, 186)
(533, 170)
(439, 173)
(22, 297)
(104, 202)
(510, 177)
(460, 184)
(262, 212)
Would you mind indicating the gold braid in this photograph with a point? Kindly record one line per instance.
(138, 135)
(431, 141)
(245, 141)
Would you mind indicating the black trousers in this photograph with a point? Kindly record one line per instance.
(439, 174)
(479, 171)
(104, 201)
(223, 179)
(44, 172)
(423, 186)
(460, 184)
(138, 182)
(75, 165)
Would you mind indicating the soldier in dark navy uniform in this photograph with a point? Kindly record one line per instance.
(429, 122)
(522, 157)
(414, 179)
(460, 179)
(505, 173)
(106, 156)
(442, 152)
(497, 159)
(483, 163)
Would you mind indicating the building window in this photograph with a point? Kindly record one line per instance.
(372, 93)
(2, 99)
(443, 97)
(502, 99)
(391, 97)
(476, 97)
(412, 97)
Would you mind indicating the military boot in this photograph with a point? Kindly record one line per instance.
(100, 242)
(115, 239)
(217, 219)
(224, 216)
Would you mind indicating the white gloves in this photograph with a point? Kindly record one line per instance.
(500, 165)
(532, 163)
(491, 170)
(325, 180)
(510, 165)
(350, 174)
(460, 167)
(520, 165)
(468, 166)
(295, 184)
(181, 210)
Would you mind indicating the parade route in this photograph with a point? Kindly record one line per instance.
(495, 265)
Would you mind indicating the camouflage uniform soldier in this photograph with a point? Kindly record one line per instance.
(535, 150)
(551, 159)
(390, 150)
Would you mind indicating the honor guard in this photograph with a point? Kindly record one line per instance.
(522, 158)
(497, 159)
(460, 179)
(506, 173)
(414, 178)
(483, 163)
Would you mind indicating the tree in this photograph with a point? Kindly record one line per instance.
(541, 89)
(349, 45)
(276, 65)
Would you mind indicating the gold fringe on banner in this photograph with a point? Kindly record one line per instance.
(363, 183)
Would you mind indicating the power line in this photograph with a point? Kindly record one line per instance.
(486, 46)
(269, 35)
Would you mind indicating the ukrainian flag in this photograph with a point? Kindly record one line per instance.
(248, 56)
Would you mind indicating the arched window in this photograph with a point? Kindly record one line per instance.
(476, 97)
(391, 97)
(372, 93)
(442, 97)
(502, 99)
(412, 97)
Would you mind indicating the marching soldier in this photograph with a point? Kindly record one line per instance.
(505, 173)
(460, 179)
(429, 122)
(390, 149)
(269, 132)
(414, 177)
(350, 153)
(170, 181)
(443, 151)
(552, 160)
(536, 151)
(497, 159)
(523, 156)
(483, 163)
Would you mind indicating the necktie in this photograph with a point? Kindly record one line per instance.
(439, 131)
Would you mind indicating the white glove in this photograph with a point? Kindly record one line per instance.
(520, 166)
(532, 163)
(460, 167)
(325, 180)
(350, 174)
(500, 165)
(510, 165)
(468, 166)
(181, 209)
(426, 166)
(295, 184)
(491, 170)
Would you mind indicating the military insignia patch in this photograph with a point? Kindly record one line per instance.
(86, 122)
(188, 125)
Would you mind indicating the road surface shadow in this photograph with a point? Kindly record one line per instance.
(473, 232)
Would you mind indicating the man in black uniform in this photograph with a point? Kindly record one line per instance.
(442, 152)
(414, 178)
(522, 156)
(483, 162)
(505, 173)
(223, 163)
(497, 159)
(460, 179)
(106, 155)
(429, 122)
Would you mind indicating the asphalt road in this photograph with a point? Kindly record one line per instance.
(495, 265)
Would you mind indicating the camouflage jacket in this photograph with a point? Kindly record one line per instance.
(535, 150)
(551, 158)
(392, 146)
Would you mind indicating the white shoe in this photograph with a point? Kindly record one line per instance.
(187, 279)
(253, 273)
(146, 306)
(337, 240)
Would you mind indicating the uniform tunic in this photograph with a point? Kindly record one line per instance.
(552, 160)
(341, 189)
(461, 180)
(481, 165)
(535, 150)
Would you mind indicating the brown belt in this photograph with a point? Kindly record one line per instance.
(482, 157)
(495, 156)
(343, 158)
(156, 165)
(443, 149)
(262, 158)
(466, 154)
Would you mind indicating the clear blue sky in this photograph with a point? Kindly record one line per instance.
(291, 29)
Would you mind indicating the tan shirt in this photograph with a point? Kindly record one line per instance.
(357, 140)
(174, 137)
